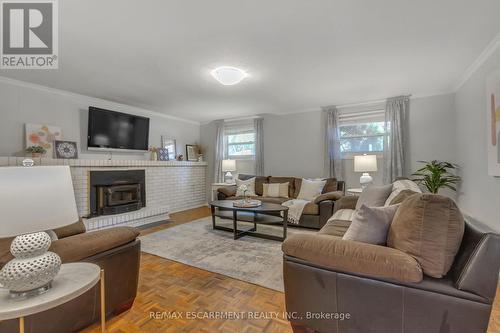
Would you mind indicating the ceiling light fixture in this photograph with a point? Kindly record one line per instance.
(228, 75)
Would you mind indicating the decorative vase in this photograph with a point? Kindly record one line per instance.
(154, 156)
(33, 267)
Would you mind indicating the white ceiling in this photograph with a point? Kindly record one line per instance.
(301, 54)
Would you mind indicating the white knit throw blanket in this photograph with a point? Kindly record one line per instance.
(295, 208)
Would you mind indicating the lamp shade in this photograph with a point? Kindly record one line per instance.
(365, 163)
(35, 199)
(228, 165)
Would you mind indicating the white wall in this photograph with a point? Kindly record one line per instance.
(294, 143)
(479, 194)
(24, 103)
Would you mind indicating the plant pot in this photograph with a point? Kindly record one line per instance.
(36, 155)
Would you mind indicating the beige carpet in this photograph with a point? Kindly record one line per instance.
(254, 260)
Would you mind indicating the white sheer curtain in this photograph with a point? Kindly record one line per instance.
(333, 157)
(219, 151)
(259, 146)
(394, 144)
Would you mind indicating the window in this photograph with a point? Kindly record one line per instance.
(362, 137)
(362, 130)
(239, 145)
(240, 141)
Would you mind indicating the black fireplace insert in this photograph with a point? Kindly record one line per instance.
(115, 192)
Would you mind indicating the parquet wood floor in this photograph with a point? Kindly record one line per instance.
(166, 286)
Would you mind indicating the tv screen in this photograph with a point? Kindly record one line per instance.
(116, 130)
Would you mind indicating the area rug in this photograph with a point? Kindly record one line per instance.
(254, 260)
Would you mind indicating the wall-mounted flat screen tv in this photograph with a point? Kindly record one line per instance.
(115, 130)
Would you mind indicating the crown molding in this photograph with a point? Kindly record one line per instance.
(87, 99)
(480, 60)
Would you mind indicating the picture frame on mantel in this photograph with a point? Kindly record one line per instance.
(169, 144)
(191, 153)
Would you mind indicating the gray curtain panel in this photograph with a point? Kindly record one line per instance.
(333, 157)
(394, 144)
(219, 151)
(259, 146)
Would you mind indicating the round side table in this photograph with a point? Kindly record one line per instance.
(72, 281)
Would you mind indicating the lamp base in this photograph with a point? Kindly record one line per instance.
(365, 180)
(228, 177)
(33, 267)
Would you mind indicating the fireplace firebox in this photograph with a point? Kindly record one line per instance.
(115, 192)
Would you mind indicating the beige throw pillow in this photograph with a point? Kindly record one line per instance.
(374, 196)
(276, 190)
(249, 183)
(400, 185)
(428, 227)
(310, 189)
(371, 225)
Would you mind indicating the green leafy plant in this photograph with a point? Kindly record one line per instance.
(436, 175)
(36, 150)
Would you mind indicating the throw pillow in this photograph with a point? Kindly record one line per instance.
(250, 186)
(402, 197)
(374, 196)
(309, 189)
(429, 227)
(276, 190)
(401, 185)
(371, 225)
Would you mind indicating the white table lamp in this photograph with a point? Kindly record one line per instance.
(227, 167)
(365, 163)
(32, 200)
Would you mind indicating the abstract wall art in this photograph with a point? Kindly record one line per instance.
(42, 135)
(493, 127)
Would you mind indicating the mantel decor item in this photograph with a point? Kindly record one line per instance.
(170, 145)
(66, 149)
(48, 191)
(36, 151)
(43, 136)
(227, 167)
(163, 154)
(365, 163)
(191, 153)
(436, 175)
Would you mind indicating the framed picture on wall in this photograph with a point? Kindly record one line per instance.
(191, 153)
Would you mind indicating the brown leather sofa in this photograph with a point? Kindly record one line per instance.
(315, 214)
(376, 286)
(116, 250)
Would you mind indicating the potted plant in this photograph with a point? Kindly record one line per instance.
(36, 151)
(436, 175)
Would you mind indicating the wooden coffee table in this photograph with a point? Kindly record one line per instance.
(263, 214)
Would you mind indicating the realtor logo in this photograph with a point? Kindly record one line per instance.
(29, 34)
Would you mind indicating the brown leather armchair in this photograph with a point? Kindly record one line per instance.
(116, 250)
(376, 287)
